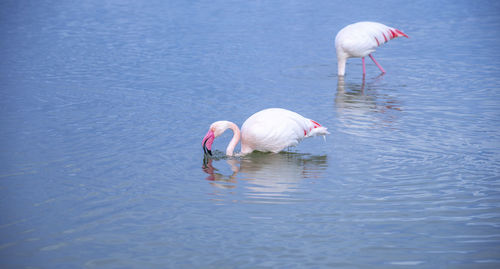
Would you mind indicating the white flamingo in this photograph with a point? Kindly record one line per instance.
(269, 130)
(361, 39)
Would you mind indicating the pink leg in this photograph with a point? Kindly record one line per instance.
(378, 65)
(363, 60)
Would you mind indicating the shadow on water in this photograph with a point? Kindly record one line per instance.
(265, 175)
(362, 106)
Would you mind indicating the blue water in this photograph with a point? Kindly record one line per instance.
(103, 105)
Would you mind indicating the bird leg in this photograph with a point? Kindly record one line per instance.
(364, 69)
(378, 65)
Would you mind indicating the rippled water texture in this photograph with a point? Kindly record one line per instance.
(103, 105)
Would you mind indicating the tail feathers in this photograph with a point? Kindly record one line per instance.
(315, 130)
(397, 33)
(388, 34)
(320, 130)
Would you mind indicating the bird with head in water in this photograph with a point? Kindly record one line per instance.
(361, 39)
(269, 130)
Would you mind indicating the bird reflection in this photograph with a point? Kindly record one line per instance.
(267, 174)
(360, 105)
(218, 179)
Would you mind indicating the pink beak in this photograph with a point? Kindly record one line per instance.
(207, 142)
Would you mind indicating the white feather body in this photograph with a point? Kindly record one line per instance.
(274, 129)
(362, 38)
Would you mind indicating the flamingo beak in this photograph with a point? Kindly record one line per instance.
(207, 142)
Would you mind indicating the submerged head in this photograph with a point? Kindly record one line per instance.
(215, 130)
(207, 142)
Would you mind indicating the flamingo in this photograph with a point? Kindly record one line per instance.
(361, 39)
(269, 130)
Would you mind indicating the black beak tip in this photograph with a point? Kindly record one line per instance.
(207, 151)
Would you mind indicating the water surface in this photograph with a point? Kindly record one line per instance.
(104, 105)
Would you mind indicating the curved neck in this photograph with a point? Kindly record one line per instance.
(236, 138)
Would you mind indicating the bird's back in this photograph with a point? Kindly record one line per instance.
(362, 38)
(274, 129)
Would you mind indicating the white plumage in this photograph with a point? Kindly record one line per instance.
(269, 130)
(275, 129)
(360, 40)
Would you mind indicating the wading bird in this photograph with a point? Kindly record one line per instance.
(361, 39)
(269, 130)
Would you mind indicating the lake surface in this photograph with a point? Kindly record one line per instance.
(104, 105)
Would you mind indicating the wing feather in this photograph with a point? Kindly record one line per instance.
(275, 129)
(362, 38)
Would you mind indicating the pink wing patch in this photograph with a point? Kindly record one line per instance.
(316, 125)
(401, 33)
(393, 34)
